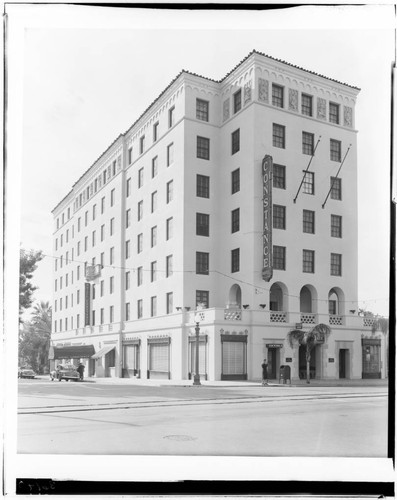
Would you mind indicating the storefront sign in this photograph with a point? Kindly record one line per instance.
(267, 174)
(331, 360)
(298, 326)
(288, 360)
(87, 304)
(274, 345)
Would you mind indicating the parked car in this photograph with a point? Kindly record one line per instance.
(65, 372)
(26, 373)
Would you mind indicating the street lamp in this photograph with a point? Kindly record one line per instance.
(196, 379)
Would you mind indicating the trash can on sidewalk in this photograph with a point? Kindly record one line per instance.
(285, 373)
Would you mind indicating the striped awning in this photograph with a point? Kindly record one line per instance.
(103, 351)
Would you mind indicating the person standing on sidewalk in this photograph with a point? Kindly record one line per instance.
(264, 372)
(80, 369)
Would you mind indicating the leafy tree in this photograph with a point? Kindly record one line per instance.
(309, 339)
(34, 338)
(27, 265)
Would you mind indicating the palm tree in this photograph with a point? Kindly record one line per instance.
(310, 339)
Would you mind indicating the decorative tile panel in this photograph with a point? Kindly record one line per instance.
(308, 318)
(321, 108)
(278, 317)
(232, 315)
(347, 116)
(226, 109)
(263, 90)
(368, 321)
(335, 320)
(247, 92)
(293, 99)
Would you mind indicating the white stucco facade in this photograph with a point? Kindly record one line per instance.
(177, 161)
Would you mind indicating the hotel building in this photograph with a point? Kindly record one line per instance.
(235, 197)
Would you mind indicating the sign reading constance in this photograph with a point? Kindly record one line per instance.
(87, 304)
(267, 174)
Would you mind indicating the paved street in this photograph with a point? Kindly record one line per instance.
(100, 418)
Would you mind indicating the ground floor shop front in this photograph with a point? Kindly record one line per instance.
(227, 351)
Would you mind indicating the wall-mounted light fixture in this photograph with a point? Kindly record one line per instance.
(246, 306)
(352, 311)
(178, 308)
(263, 306)
(187, 308)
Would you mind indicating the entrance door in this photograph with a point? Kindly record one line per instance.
(342, 362)
(272, 362)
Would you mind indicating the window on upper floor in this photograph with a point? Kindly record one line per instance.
(127, 280)
(168, 266)
(153, 236)
(202, 108)
(102, 205)
(153, 204)
(202, 224)
(336, 188)
(153, 306)
(128, 187)
(307, 105)
(140, 210)
(277, 95)
(154, 166)
(202, 186)
(153, 271)
(203, 298)
(235, 141)
(128, 218)
(139, 276)
(235, 220)
(202, 262)
(127, 311)
(169, 228)
(129, 156)
(170, 191)
(307, 143)
(236, 181)
(139, 306)
(336, 226)
(169, 302)
(335, 150)
(155, 131)
(140, 243)
(308, 221)
(203, 148)
(279, 176)
(308, 261)
(171, 117)
(142, 145)
(333, 112)
(170, 154)
(308, 183)
(237, 101)
(112, 197)
(127, 249)
(336, 264)
(140, 177)
(235, 258)
(278, 136)
(279, 216)
(112, 226)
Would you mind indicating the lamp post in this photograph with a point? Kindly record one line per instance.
(196, 379)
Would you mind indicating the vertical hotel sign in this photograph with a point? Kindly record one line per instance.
(87, 304)
(267, 175)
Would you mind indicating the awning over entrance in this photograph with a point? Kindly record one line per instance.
(71, 351)
(103, 351)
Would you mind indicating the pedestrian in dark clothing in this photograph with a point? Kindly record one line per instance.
(264, 372)
(80, 369)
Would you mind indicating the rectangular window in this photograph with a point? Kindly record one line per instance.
(169, 229)
(111, 314)
(277, 96)
(203, 298)
(102, 288)
(170, 191)
(307, 105)
(336, 188)
(171, 117)
(139, 306)
(154, 166)
(333, 112)
(335, 150)
(102, 259)
(114, 168)
(279, 257)
(153, 236)
(128, 218)
(127, 249)
(237, 101)
(111, 284)
(79, 224)
(202, 262)
(93, 238)
(278, 136)
(78, 321)
(308, 261)
(112, 197)
(78, 272)
(168, 266)
(128, 187)
(336, 226)
(279, 176)
(203, 186)
(153, 204)
(202, 108)
(140, 210)
(235, 141)
(170, 302)
(140, 177)
(111, 256)
(235, 220)
(279, 216)
(235, 260)
(142, 144)
(139, 243)
(85, 219)
(202, 224)
(78, 250)
(308, 221)
(307, 143)
(336, 264)
(155, 131)
(139, 276)
(170, 154)
(153, 271)
(235, 181)
(111, 226)
(102, 316)
(153, 306)
(129, 156)
(78, 297)
(85, 246)
(308, 183)
(127, 280)
(203, 148)
(102, 205)
(102, 232)
(127, 311)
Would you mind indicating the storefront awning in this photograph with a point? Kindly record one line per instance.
(103, 351)
(71, 351)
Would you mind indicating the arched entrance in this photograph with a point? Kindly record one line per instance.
(276, 298)
(235, 296)
(306, 300)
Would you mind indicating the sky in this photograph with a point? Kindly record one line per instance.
(88, 73)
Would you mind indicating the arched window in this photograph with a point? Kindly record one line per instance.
(235, 296)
